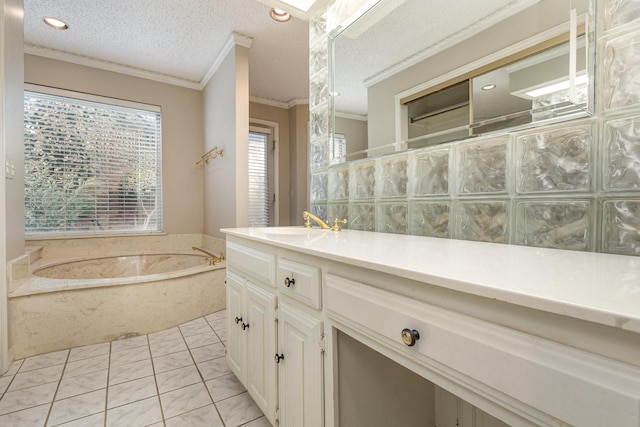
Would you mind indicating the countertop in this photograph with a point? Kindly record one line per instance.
(596, 287)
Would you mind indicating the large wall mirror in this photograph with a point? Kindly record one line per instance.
(410, 73)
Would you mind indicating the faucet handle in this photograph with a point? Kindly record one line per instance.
(307, 220)
(336, 224)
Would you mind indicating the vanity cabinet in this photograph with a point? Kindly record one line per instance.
(275, 335)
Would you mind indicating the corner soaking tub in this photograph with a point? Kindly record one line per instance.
(75, 302)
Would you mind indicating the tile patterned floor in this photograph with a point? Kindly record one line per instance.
(176, 377)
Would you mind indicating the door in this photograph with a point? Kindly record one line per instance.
(301, 388)
(262, 189)
(236, 338)
(261, 347)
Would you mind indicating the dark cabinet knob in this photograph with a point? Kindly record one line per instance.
(410, 336)
(245, 326)
(278, 357)
(288, 282)
(238, 320)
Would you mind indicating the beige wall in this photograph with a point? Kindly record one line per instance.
(355, 132)
(299, 161)
(226, 125)
(182, 129)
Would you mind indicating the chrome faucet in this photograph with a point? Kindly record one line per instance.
(308, 216)
(210, 257)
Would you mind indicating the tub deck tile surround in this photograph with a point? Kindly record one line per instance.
(175, 377)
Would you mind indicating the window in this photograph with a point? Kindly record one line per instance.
(261, 195)
(338, 149)
(92, 165)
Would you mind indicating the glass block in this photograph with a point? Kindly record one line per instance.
(318, 91)
(362, 216)
(338, 210)
(621, 227)
(429, 172)
(430, 218)
(317, 28)
(320, 211)
(339, 183)
(482, 166)
(621, 154)
(621, 86)
(391, 177)
(555, 160)
(319, 123)
(482, 220)
(318, 187)
(620, 12)
(556, 224)
(362, 180)
(318, 59)
(319, 155)
(391, 218)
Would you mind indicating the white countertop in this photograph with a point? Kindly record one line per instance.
(596, 287)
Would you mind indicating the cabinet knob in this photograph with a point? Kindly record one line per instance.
(288, 282)
(238, 320)
(245, 326)
(410, 336)
(278, 357)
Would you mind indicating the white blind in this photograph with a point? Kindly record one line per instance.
(91, 167)
(259, 197)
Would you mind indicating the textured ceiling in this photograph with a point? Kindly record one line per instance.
(175, 41)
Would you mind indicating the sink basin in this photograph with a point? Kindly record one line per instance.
(294, 231)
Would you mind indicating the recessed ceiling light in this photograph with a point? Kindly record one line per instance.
(488, 87)
(55, 23)
(279, 15)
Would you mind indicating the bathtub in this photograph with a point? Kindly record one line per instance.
(75, 302)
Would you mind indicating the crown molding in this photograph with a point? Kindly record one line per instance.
(236, 39)
(279, 104)
(351, 116)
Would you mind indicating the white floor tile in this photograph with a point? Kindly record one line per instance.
(84, 366)
(185, 399)
(166, 335)
(177, 378)
(129, 343)
(44, 360)
(206, 416)
(36, 377)
(260, 422)
(130, 355)
(35, 416)
(130, 371)
(200, 340)
(4, 383)
(140, 413)
(13, 368)
(238, 410)
(85, 383)
(70, 409)
(168, 347)
(208, 352)
(96, 420)
(224, 387)
(172, 361)
(88, 351)
(26, 398)
(131, 391)
(214, 368)
(190, 330)
(218, 315)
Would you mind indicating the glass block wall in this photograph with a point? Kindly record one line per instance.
(571, 186)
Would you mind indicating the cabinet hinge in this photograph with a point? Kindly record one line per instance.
(322, 345)
(276, 414)
(275, 313)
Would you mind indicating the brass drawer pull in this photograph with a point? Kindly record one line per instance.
(288, 282)
(278, 357)
(410, 336)
(245, 326)
(238, 320)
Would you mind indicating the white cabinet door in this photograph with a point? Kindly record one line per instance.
(300, 369)
(261, 383)
(236, 339)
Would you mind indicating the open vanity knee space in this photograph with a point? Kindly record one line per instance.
(374, 329)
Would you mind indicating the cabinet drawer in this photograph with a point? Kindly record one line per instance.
(300, 281)
(253, 262)
(527, 371)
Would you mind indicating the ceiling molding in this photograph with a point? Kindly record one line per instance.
(236, 39)
(279, 104)
(351, 116)
(108, 66)
(490, 20)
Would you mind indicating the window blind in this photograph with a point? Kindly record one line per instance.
(91, 167)
(259, 197)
